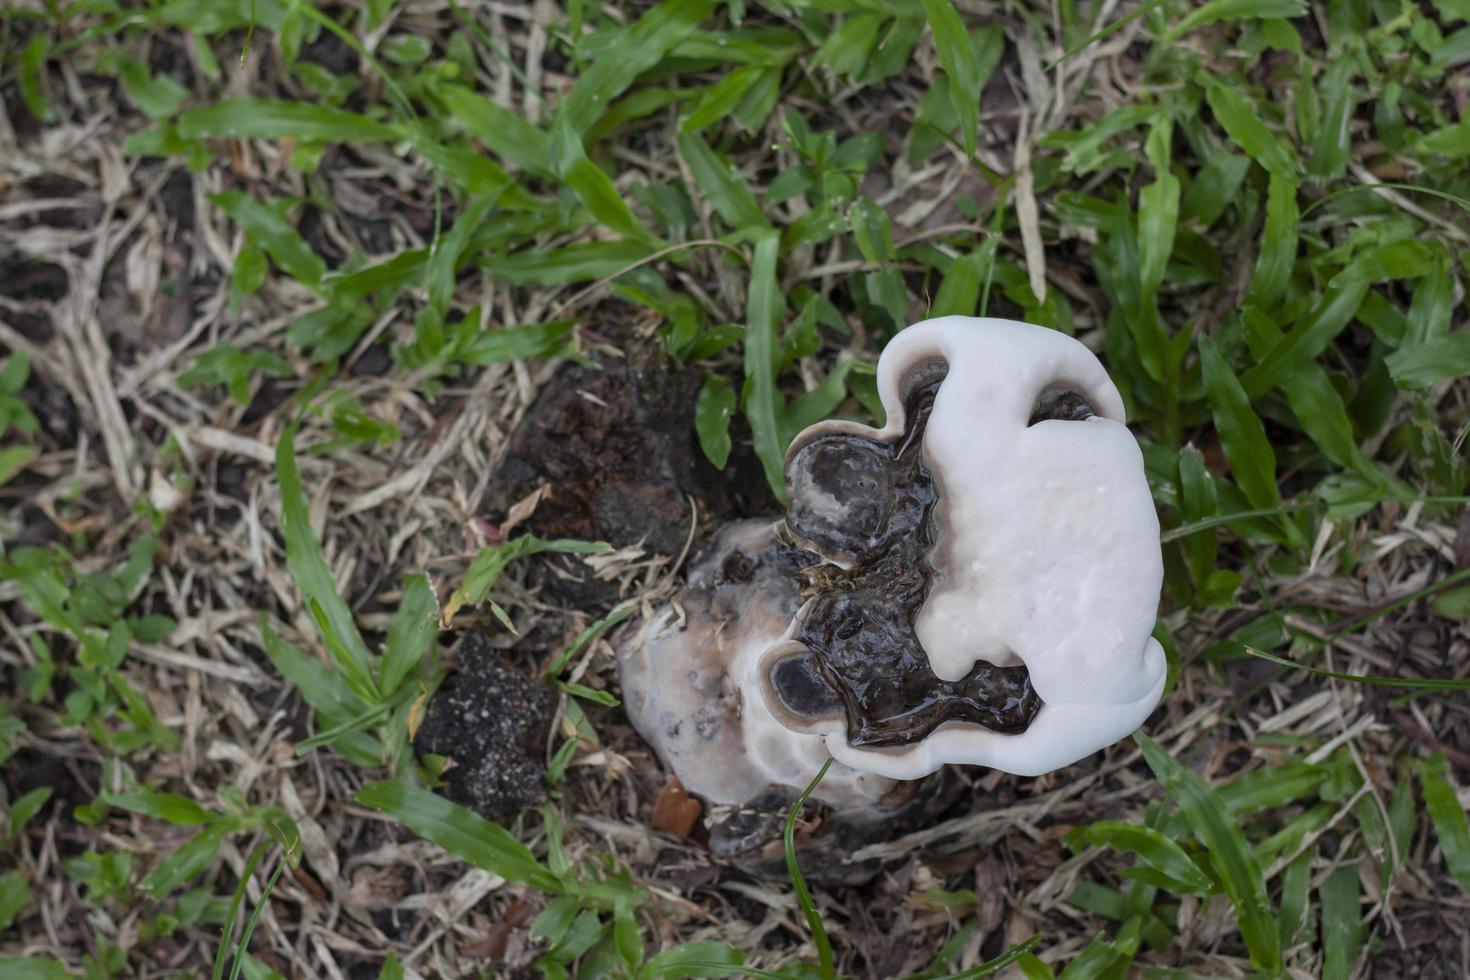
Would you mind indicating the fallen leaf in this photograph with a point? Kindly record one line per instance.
(675, 811)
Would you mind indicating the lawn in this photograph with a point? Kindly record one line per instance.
(288, 291)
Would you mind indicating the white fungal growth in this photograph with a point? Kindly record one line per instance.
(1045, 555)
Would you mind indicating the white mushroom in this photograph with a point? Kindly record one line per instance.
(975, 582)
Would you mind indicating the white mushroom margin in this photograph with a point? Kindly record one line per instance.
(1049, 551)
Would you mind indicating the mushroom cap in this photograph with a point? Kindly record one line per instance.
(1048, 544)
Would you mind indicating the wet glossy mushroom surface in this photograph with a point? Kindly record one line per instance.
(861, 656)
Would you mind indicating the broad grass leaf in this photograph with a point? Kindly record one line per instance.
(487, 566)
(1451, 141)
(1217, 11)
(504, 133)
(275, 119)
(594, 188)
(527, 341)
(1342, 923)
(473, 173)
(171, 807)
(1406, 258)
(271, 232)
(411, 633)
(763, 326)
(1333, 141)
(712, 413)
(724, 97)
(959, 290)
(1158, 216)
(847, 49)
(323, 689)
(333, 618)
(23, 809)
(1279, 245)
(1315, 401)
(461, 832)
(1252, 460)
(1240, 122)
(15, 892)
(569, 264)
(13, 459)
(183, 864)
(636, 49)
(444, 259)
(1153, 848)
(1237, 869)
(961, 64)
(871, 230)
(1450, 824)
(1296, 883)
(1214, 187)
(404, 269)
(32, 67)
(1440, 359)
(1308, 337)
(720, 184)
(159, 96)
(1433, 304)
(706, 958)
(33, 968)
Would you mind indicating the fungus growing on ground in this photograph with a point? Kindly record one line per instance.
(976, 582)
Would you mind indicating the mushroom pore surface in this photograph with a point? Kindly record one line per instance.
(862, 656)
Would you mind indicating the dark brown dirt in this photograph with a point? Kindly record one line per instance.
(616, 448)
(491, 721)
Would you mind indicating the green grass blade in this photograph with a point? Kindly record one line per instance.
(1342, 931)
(1153, 848)
(721, 185)
(33, 968)
(1241, 123)
(1412, 683)
(412, 631)
(1217, 11)
(1429, 363)
(304, 557)
(273, 119)
(1450, 823)
(485, 570)
(957, 56)
(637, 49)
(763, 326)
(222, 954)
(991, 967)
(1295, 885)
(1239, 874)
(1308, 338)
(270, 231)
(504, 133)
(1252, 460)
(1279, 244)
(803, 896)
(712, 414)
(465, 834)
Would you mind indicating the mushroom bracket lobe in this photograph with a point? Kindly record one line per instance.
(975, 582)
